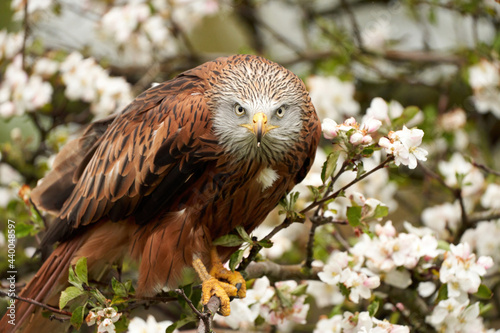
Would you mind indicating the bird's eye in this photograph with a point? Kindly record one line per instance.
(239, 110)
(280, 112)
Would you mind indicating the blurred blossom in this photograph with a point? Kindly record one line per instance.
(45, 67)
(284, 310)
(332, 98)
(462, 272)
(33, 6)
(451, 315)
(484, 78)
(404, 146)
(487, 99)
(383, 111)
(363, 323)
(443, 218)
(187, 13)
(329, 325)
(457, 168)
(491, 197)
(390, 251)
(484, 74)
(376, 34)
(88, 81)
(30, 251)
(453, 120)
(324, 294)
(150, 325)
(426, 289)
(20, 92)
(122, 21)
(245, 311)
(10, 44)
(484, 239)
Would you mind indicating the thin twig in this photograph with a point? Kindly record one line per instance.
(485, 168)
(25, 37)
(483, 216)
(354, 23)
(205, 324)
(336, 194)
(32, 301)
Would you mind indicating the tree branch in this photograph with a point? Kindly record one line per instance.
(32, 301)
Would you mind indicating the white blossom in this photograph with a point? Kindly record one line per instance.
(150, 325)
(383, 111)
(88, 81)
(484, 239)
(451, 315)
(484, 74)
(484, 78)
(329, 325)
(325, 294)
(453, 120)
(426, 289)
(404, 146)
(458, 169)
(20, 92)
(332, 98)
(491, 197)
(10, 44)
(461, 271)
(443, 218)
(376, 34)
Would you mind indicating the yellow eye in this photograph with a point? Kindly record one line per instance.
(239, 110)
(280, 112)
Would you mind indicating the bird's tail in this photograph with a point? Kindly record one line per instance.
(44, 287)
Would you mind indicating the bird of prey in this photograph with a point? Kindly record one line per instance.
(186, 162)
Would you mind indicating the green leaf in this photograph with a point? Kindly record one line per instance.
(344, 290)
(330, 165)
(380, 211)
(99, 297)
(242, 232)
(484, 292)
(81, 270)
(266, 243)
(300, 290)
(360, 169)
(118, 288)
(23, 229)
(442, 294)
(77, 316)
(406, 116)
(373, 308)
(354, 215)
(235, 259)
(228, 241)
(73, 279)
(287, 303)
(171, 328)
(68, 294)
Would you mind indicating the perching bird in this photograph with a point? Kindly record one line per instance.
(185, 163)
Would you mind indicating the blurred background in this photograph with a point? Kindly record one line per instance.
(65, 63)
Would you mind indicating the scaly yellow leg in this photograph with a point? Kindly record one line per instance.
(211, 286)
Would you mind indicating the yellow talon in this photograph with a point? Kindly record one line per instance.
(212, 286)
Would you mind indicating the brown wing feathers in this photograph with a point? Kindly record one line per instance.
(143, 158)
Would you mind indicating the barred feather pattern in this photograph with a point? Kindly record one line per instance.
(174, 170)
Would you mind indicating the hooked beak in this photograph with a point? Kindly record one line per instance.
(259, 126)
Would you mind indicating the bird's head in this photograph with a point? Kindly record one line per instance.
(258, 109)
